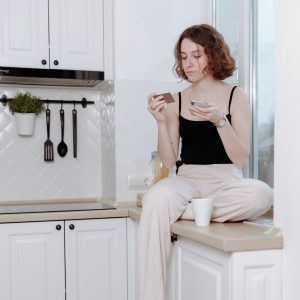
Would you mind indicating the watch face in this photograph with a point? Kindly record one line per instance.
(222, 122)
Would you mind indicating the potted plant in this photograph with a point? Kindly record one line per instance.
(25, 107)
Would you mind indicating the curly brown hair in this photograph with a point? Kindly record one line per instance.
(220, 62)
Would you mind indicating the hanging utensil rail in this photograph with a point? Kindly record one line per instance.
(83, 101)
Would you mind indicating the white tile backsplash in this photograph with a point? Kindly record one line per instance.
(23, 173)
(107, 120)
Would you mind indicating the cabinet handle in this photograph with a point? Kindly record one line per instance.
(44, 61)
(71, 226)
(58, 227)
(56, 62)
(173, 238)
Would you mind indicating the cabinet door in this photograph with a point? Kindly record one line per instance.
(24, 33)
(32, 261)
(76, 34)
(203, 272)
(257, 275)
(96, 255)
(132, 229)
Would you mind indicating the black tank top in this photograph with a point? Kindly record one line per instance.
(201, 143)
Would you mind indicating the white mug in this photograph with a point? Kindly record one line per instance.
(202, 209)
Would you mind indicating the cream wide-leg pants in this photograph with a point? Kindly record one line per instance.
(235, 198)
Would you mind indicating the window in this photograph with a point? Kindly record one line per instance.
(260, 65)
(263, 108)
(226, 21)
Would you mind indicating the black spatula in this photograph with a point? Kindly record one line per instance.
(74, 119)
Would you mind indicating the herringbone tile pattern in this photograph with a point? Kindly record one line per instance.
(23, 173)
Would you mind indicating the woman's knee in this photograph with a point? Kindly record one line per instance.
(159, 192)
(170, 191)
(261, 198)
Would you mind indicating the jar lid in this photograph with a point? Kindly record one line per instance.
(154, 153)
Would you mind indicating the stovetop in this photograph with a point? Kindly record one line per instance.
(55, 207)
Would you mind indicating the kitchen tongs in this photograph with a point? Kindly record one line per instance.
(48, 145)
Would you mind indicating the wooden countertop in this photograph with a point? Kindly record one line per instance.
(228, 237)
(39, 216)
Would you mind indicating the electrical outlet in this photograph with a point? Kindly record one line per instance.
(139, 181)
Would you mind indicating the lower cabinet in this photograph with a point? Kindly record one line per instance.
(32, 261)
(74, 260)
(202, 273)
(210, 274)
(199, 272)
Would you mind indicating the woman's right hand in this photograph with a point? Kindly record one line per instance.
(157, 107)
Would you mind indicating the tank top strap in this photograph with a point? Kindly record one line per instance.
(230, 98)
(179, 102)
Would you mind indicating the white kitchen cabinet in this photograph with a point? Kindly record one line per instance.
(84, 259)
(133, 284)
(32, 261)
(210, 274)
(76, 34)
(68, 35)
(256, 275)
(200, 272)
(96, 259)
(24, 33)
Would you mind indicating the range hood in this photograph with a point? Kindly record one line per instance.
(50, 77)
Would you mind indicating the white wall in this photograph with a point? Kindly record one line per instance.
(287, 141)
(145, 36)
(146, 33)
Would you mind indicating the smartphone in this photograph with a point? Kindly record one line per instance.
(200, 103)
(167, 96)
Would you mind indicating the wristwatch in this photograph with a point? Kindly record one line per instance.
(221, 123)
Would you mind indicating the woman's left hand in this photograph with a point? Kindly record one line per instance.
(211, 113)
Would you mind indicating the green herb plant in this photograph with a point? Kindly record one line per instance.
(26, 103)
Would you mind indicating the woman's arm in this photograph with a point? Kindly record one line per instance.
(235, 136)
(168, 129)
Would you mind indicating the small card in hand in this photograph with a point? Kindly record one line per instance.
(167, 96)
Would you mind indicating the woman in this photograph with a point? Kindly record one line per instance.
(215, 146)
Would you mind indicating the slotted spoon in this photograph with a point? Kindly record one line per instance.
(48, 145)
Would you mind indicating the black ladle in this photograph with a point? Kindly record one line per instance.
(62, 148)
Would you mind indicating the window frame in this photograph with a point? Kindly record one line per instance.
(247, 72)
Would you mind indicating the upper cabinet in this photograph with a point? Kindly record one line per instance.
(76, 34)
(24, 33)
(57, 34)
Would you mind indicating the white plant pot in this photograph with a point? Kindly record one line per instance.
(25, 123)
